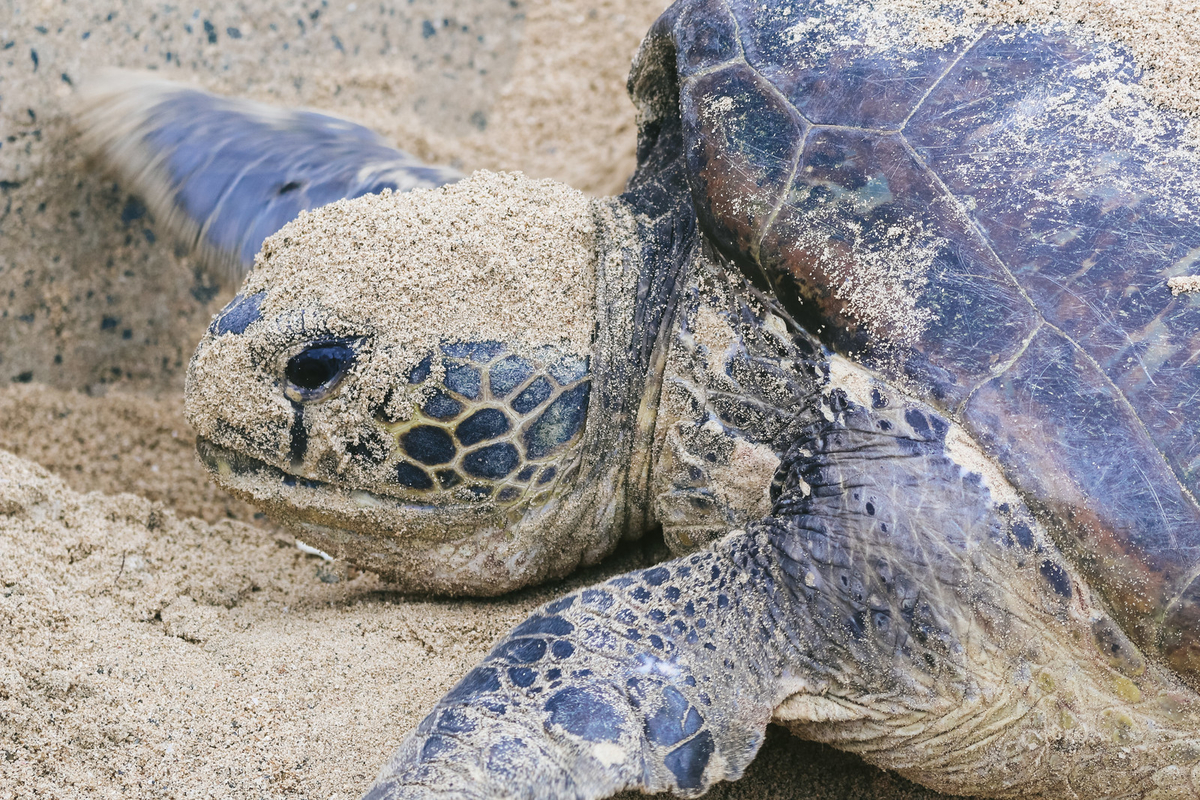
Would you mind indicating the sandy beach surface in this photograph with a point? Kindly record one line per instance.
(158, 638)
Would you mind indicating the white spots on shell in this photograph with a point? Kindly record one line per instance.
(609, 754)
(1161, 36)
(880, 280)
(1183, 284)
(875, 27)
(720, 105)
(852, 379)
(1115, 109)
(963, 450)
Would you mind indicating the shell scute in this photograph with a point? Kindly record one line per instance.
(707, 37)
(1082, 454)
(867, 237)
(825, 60)
(1091, 210)
(744, 139)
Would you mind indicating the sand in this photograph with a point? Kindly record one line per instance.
(158, 638)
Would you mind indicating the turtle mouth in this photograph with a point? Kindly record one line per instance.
(304, 502)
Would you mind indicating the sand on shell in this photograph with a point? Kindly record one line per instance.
(158, 638)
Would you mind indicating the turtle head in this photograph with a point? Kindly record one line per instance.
(406, 380)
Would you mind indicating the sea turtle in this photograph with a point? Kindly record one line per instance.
(880, 334)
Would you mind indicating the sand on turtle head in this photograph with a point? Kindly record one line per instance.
(496, 257)
(484, 258)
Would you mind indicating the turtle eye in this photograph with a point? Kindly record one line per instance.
(317, 370)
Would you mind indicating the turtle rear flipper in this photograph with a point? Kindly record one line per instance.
(223, 173)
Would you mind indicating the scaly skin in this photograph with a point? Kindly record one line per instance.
(616, 687)
(369, 483)
(892, 605)
(896, 602)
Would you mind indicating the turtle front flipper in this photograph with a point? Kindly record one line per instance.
(223, 173)
(660, 679)
(900, 602)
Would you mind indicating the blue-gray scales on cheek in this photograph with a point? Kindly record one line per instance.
(492, 424)
(238, 314)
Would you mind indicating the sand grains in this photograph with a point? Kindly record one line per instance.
(488, 258)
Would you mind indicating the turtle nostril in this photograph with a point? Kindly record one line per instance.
(317, 369)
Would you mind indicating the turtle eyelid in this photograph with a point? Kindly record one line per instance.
(314, 372)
